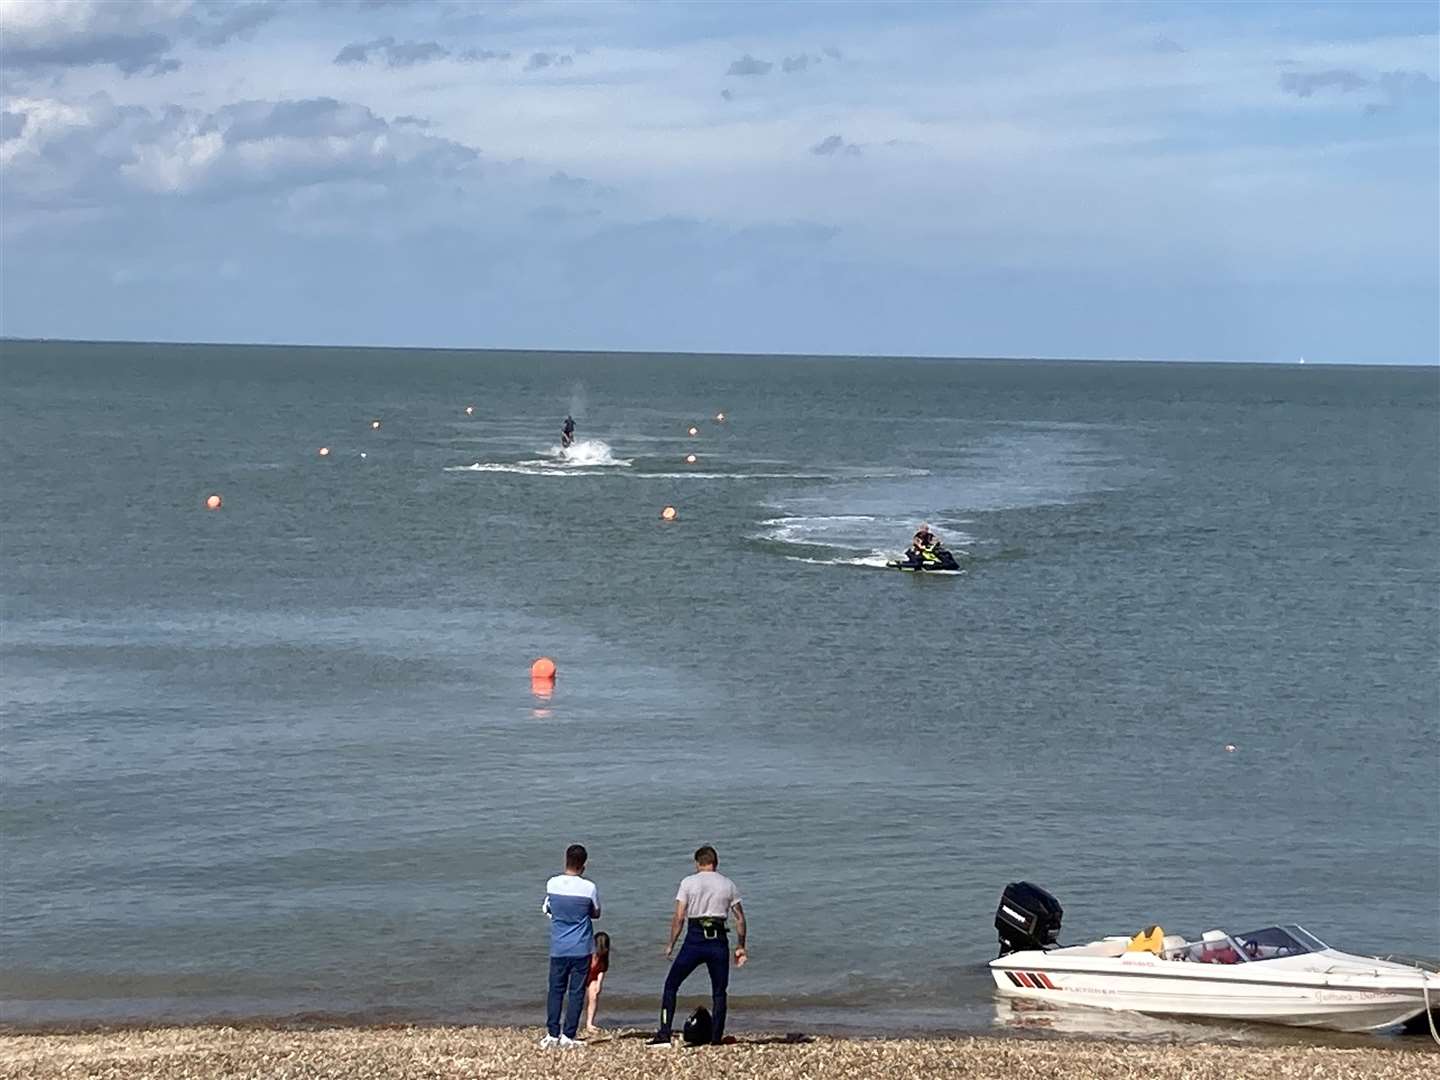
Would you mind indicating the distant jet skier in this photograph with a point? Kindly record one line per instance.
(567, 433)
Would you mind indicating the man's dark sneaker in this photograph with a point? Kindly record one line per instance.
(660, 1041)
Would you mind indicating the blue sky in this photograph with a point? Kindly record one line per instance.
(1210, 181)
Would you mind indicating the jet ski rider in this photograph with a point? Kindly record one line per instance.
(567, 432)
(923, 544)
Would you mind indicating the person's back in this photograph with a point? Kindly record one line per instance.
(571, 902)
(708, 894)
(704, 904)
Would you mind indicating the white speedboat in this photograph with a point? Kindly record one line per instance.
(1278, 974)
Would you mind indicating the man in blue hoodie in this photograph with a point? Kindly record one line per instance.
(571, 901)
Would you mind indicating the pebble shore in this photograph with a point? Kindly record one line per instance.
(440, 1053)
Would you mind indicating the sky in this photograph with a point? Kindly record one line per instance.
(1253, 182)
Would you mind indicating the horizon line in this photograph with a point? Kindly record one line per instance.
(1299, 362)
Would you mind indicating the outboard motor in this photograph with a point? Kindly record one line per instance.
(1028, 918)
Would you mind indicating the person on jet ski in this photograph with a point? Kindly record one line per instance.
(924, 541)
(567, 432)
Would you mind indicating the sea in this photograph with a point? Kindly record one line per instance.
(283, 761)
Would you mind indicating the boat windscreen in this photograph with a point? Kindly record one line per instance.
(1276, 941)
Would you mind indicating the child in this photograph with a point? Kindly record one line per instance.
(595, 979)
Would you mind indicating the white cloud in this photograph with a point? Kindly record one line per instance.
(95, 151)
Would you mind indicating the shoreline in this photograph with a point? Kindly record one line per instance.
(208, 1051)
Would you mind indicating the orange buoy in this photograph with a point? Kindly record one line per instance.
(213, 503)
(324, 451)
(668, 514)
(694, 431)
(374, 425)
(469, 410)
(689, 459)
(719, 417)
(542, 670)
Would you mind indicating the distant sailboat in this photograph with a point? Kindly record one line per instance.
(1302, 359)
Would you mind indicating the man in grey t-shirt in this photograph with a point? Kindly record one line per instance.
(703, 903)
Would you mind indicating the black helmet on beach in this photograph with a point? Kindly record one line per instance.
(699, 1028)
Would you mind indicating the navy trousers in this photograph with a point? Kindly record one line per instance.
(714, 953)
(567, 974)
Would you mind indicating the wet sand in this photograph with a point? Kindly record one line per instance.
(203, 1053)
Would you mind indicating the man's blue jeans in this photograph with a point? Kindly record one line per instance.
(567, 973)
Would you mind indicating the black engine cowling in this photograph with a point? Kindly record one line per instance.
(1028, 918)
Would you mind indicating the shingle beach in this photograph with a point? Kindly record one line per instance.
(212, 1053)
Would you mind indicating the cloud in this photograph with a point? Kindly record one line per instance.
(1305, 83)
(1400, 87)
(791, 64)
(12, 125)
(540, 60)
(727, 95)
(409, 53)
(748, 65)
(406, 53)
(97, 153)
(411, 121)
(1396, 88)
(834, 144)
(832, 52)
(228, 23)
(1162, 44)
(567, 182)
(136, 37)
(395, 54)
(132, 54)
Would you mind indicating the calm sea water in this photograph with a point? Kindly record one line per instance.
(284, 758)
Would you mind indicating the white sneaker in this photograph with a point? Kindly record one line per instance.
(549, 1042)
(567, 1043)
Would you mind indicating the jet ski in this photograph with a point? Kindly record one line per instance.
(928, 560)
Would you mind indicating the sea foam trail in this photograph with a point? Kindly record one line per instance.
(847, 536)
(586, 453)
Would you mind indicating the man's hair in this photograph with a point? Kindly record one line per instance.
(705, 856)
(576, 857)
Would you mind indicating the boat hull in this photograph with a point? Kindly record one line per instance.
(1193, 991)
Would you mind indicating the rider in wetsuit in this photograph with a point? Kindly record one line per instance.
(567, 432)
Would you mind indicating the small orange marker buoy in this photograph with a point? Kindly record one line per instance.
(469, 410)
(324, 451)
(668, 514)
(689, 459)
(694, 431)
(719, 417)
(374, 425)
(213, 503)
(542, 670)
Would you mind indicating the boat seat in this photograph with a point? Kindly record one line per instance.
(1170, 943)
